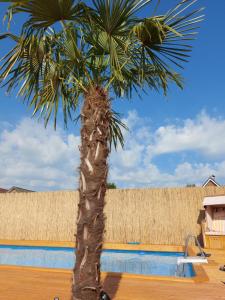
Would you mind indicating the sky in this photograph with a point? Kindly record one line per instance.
(172, 141)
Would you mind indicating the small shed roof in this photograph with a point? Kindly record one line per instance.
(214, 200)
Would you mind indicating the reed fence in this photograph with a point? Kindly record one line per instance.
(150, 216)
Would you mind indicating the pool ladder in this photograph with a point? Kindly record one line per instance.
(181, 271)
(196, 242)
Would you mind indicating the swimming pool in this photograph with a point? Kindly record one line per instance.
(122, 261)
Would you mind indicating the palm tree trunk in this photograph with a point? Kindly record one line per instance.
(95, 119)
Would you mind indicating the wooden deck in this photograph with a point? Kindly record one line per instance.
(27, 284)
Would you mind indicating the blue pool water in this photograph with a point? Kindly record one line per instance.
(135, 262)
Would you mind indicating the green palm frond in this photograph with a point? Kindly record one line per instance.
(45, 13)
(38, 69)
(105, 44)
(116, 126)
(115, 17)
(164, 37)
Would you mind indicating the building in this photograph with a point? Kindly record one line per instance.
(214, 225)
(15, 189)
(211, 182)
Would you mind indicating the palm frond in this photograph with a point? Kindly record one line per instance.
(163, 37)
(105, 44)
(115, 128)
(37, 68)
(114, 17)
(43, 14)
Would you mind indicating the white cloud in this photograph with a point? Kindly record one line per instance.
(203, 134)
(43, 159)
(134, 166)
(38, 158)
(183, 174)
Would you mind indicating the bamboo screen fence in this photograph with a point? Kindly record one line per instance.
(153, 216)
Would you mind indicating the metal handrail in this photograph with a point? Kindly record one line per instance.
(196, 241)
(180, 272)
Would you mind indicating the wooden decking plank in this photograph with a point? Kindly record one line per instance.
(25, 285)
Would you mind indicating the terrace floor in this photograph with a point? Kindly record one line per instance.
(30, 284)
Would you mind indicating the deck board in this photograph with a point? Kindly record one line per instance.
(26, 285)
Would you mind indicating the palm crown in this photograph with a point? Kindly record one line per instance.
(105, 44)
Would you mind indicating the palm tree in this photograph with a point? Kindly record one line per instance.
(68, 51)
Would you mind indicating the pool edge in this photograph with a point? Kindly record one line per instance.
(201, 275)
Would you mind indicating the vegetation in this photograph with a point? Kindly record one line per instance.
(111, 185)
(68, 51)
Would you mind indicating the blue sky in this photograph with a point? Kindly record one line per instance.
(173, 140)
